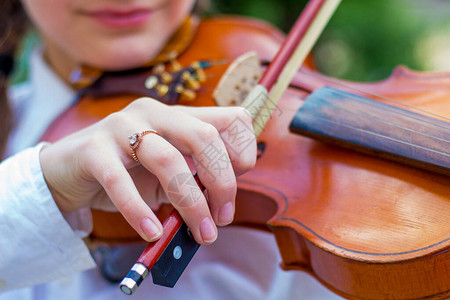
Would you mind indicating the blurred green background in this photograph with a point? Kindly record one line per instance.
(365, 39)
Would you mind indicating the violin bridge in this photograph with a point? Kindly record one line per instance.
(240, 78)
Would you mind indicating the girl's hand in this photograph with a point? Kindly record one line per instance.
(94, 167)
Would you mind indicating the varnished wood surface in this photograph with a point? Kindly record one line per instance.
(365, 227)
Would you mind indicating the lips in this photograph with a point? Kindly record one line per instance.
(119, 19)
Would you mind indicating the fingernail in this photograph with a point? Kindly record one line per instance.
(208, 230)
(226, 214)
(150, 229)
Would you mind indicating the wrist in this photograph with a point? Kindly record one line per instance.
(46, 160)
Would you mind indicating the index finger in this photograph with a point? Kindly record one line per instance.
(162, 159)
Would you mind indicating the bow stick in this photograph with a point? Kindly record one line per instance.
(168, 257)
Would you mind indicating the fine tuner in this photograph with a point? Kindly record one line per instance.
(170, 83)
(183, 81)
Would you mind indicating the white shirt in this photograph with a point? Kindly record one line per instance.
(37, 244)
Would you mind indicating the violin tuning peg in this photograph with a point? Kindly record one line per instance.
(190, 81)
(193, 84)
(162, 89)
(172, 56)
(179, 89)
(186, 94)
(151, 82)
(199, 73)
(159, 68)
(201, 76)
(176, 66)
(166, 77)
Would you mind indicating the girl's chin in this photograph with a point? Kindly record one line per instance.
(119, 53)
(118, 63)
(120, 59)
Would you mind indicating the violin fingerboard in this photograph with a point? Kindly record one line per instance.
(376, 128)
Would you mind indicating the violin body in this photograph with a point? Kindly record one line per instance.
(364, 227)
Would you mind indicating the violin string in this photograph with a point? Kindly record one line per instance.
(370, 94)
(387, 123)
(219, 62)
(379, 96)
(384, 98)
(384, 136)
(390, 124)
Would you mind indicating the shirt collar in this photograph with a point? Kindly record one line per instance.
(37, 103)
(46, 82)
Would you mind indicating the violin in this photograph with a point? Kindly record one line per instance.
(363, 226)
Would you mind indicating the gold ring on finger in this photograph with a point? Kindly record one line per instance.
(135, 140)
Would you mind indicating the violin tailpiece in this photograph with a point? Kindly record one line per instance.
(167, 86)
(375, 128)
